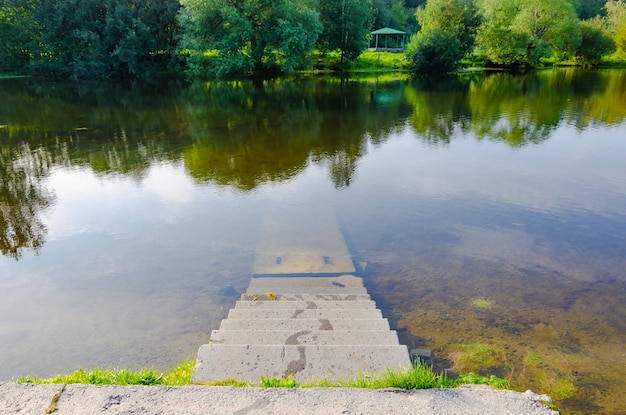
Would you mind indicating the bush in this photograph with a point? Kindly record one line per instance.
(433, 53)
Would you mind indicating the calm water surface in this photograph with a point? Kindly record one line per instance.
(487, 215)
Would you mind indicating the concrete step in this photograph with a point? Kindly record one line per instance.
(305, 297)
(304, 314)
(306, 363)
(306, 240)
(302, 324)
(302, 290)
(292, 305)
(308, 337)
(307, 282)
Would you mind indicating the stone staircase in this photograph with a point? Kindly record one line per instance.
(308, 327)
(304, 313)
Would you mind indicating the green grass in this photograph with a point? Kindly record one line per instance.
(178, 376)
(379, 61)
(417, 377)
(367, 61)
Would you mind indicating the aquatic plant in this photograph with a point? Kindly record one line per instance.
(478, 358)
(481, 303)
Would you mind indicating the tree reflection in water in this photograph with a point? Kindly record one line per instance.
(22, 199)
(242, 134)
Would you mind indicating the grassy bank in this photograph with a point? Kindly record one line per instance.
(418, 377)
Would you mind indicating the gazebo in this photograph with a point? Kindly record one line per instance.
(388, 35)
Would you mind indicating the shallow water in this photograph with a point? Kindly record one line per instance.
(485, 213)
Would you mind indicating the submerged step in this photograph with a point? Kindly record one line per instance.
(307, 282)
(308, 337)
(305, 290)
(305, 363)
(318, 313)
(305, 324)
(286, 304)
(306, 240)
(305, 297)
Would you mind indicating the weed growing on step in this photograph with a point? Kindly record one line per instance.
(274, 382)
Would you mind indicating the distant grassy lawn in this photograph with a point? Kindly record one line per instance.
(379, 61)
(367, 61)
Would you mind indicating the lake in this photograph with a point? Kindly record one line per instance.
(486, 214)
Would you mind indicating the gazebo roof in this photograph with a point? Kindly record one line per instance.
(388, 31)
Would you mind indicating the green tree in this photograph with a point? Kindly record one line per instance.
(587, 9)
(446, 34)
(596, 41)
(104, 38)
(458, 18)
(140, 36)
(71, 34)
(250, 36)
(396, 14)
(515, 32)
(346, 26)
(616, 13)
(17, 33)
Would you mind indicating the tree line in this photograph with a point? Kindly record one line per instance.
(510, 33)
(117, 39)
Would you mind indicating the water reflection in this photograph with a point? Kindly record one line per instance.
(243, 134)
(23, 197)
(493, 187)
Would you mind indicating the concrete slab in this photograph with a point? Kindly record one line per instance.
(313, 281)
(306, 240)
(321, 337)
(27, 398)
(292, 305)
(306, 297)
(302, 290)
(303, 314)
(306, 363)
(309, 324)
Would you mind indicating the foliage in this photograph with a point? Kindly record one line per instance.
(446, 34)
(588, 9)
(596, 42)
(397, 14)
(433, 52)
(104, 38)
(458, 18)
(521, 32)
(347, 23)
(17, 33)
(251, 36)
(616, 14)
(178, 376)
